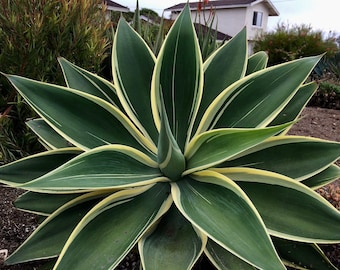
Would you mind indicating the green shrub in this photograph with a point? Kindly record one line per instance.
(33, 33)
(329, 87)
(327, 96)
(334, 66)
(329, 68)
(287, 43)
(180, 157)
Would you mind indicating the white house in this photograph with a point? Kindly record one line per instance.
(113, 6)
(232, 15)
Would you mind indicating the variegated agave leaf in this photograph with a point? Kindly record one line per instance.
(177, 156)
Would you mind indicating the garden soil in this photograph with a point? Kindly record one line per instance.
(15, 225)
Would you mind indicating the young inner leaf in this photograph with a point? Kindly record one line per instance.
(170, 158)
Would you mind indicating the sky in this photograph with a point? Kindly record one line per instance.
(319, 14)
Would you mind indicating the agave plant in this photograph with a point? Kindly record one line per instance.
(180, 157)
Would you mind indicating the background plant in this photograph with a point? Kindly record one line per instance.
(286, 43)
(33, 34)
(206, 33)
(180, 157)
(329, 69)
(147, 23)
(327, 73)
(327, 96)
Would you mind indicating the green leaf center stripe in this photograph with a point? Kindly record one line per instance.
(295, 106)
(125, 121)
(294, 156)
(100, 176)
(163, 240)
(267, 177)
(47, 134)
(296, 212)
(170, 158)
(270, 93)
(100, 117)
(74, 76)
(45, 242)
(31, 202)
(30, 168)
(131, 219)
(213, 147)
(256, 62)
(223, 259)
(104, 167)
(217, 206)
(296, 254)
(233, 53)
(176, 118)
(181, 82)
(217, 107)
(325, 177)
(133, 64)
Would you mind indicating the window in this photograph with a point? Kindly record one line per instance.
(257, 18)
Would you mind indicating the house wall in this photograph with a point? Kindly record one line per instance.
(232, 20)
(254, 31)
(229, 21)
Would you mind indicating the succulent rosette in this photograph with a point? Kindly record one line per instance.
(178, 156)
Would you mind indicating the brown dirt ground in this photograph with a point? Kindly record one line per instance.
(15, 226)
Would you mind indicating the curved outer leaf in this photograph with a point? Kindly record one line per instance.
(223, 259)
(257, 62)
(289, 209)
(234, 54)
(306, 256)
(111, 166)
(257, 99)
(174, 244)
(49, 238)
(32, 167)
(87, 82)
(170, 158)
(218, 207)
(294, 156)
(113, 227)
(32, 202)
(47, 134)
(178, 75)
(323, 178)
(295, 105)
(132, 67)
(84, 120)
(213, 147)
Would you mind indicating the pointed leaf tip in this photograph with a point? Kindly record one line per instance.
(178, 74)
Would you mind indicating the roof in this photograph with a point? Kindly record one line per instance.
(115, 6)
(205, 29)
(224, 4)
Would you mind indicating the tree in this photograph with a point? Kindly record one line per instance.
(151, 14)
